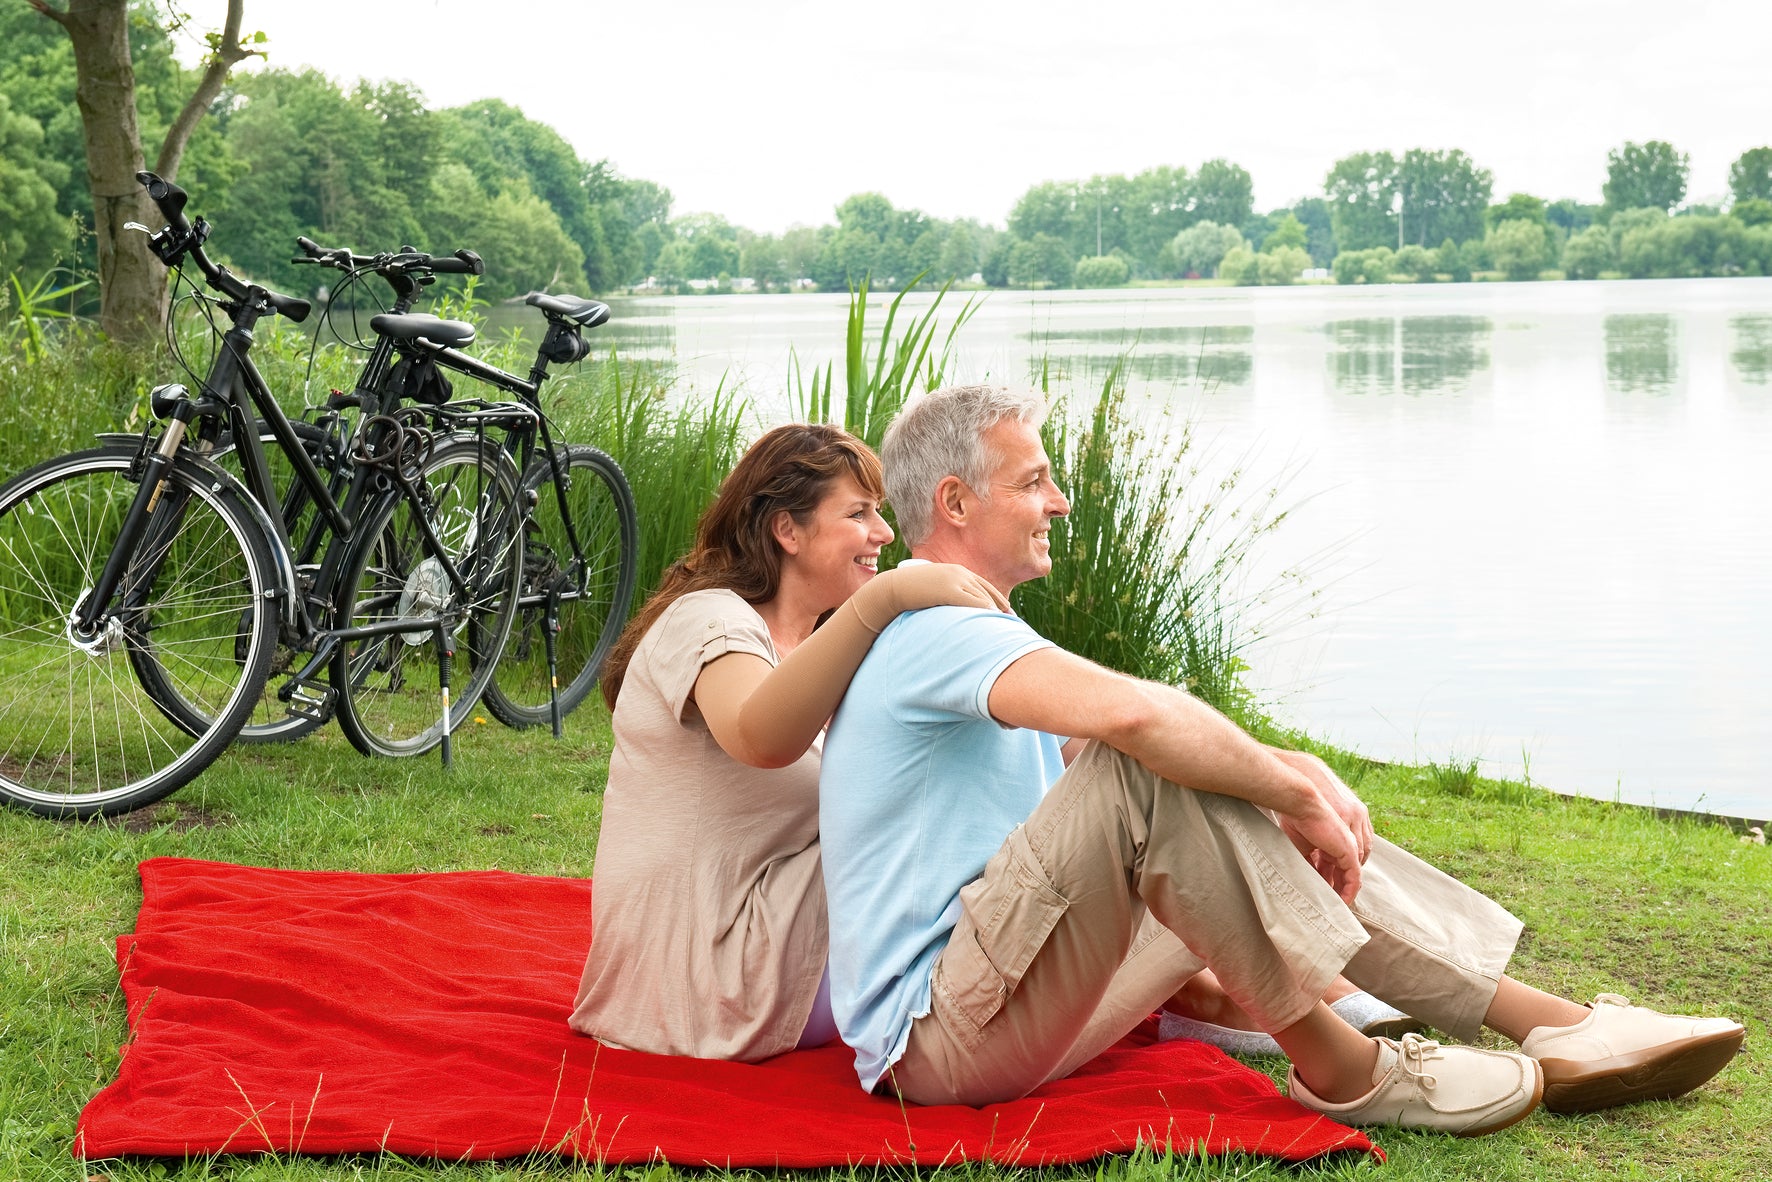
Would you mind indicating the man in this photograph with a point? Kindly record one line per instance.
(1006, 903)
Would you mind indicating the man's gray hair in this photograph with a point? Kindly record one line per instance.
(942, 434)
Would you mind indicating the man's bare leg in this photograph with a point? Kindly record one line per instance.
(1517, 1010)
(1203, 999)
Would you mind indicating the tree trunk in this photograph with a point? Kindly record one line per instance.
(132, 283)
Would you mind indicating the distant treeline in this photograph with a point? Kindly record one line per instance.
(371, 166)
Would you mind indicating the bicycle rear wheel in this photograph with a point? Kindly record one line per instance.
(585, 589)
(79, 735)
(388, 695)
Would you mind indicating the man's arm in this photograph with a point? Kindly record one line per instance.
(1183, 740)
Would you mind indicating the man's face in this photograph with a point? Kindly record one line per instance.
(1008, 543)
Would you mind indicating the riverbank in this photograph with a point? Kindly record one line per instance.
(1671, 912)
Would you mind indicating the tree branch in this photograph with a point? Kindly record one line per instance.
(56, 15)
(229, 51)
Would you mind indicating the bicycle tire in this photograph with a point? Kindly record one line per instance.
(386, 686)
(79, 735)
(270, 720)
(595, 585)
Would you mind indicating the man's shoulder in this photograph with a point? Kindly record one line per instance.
(957, 623)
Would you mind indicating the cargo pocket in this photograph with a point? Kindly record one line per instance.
(1007, 914)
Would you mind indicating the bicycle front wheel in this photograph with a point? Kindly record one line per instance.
(271, 720)
(388, 692)
(579, 581)
(79, 735)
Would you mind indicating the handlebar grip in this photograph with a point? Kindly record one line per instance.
(168, 196)
(308, 246)
(463, 262)
(294, 307)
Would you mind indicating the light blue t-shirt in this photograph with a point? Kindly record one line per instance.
(919, 787)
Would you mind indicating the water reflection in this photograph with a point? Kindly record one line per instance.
(1642, 354)
(1414, 355)
(1204, 356)
(1752, 354)
(631, 331)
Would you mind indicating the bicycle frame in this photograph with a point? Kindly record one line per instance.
(521, 440)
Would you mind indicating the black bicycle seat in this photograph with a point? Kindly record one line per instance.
(416, 326)
(588, 313)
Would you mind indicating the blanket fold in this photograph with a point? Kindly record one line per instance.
(425, 1014)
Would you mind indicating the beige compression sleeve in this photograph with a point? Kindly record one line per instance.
(783, 711)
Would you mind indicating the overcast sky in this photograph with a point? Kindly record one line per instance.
(770, 113)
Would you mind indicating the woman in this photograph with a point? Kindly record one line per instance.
(708, 912)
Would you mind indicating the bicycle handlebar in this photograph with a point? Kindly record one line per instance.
(169, 197)
(186, 238)
(462, 262)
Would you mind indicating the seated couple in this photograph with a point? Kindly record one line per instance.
(1021, 854)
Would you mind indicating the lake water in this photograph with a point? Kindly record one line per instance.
(1536, 515)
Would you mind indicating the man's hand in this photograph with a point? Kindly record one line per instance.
(1329, 845)
(1337, 795)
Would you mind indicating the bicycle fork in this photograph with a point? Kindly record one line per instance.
(84, 627)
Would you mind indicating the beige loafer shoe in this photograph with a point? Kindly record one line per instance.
(1420, 1084)
(1621, 1053)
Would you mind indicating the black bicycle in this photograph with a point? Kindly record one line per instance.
(145, 591)
(579, 526)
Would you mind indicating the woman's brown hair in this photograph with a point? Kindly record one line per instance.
(789, 469)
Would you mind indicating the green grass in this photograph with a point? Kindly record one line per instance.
(1670, 912)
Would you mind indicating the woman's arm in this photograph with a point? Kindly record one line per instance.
(768, 716)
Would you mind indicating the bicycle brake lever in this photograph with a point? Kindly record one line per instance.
(137, 226)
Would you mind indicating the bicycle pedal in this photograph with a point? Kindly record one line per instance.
(311, 702)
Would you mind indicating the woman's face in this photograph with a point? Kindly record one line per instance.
(836, 551)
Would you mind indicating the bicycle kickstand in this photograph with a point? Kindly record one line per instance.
(445, 653)
(549, 631)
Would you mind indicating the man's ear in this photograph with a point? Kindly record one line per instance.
(786, 531)
(953, 501)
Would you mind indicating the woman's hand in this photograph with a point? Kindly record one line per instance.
(919, 585)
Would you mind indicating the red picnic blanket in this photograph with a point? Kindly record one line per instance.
(425, 1014)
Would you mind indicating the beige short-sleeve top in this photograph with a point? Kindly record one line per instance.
(708, 929)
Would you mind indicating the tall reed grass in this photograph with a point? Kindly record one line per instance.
(880, 378)
(1149, 568)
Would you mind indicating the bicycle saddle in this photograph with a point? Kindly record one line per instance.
(588, 313)
(416, 326)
